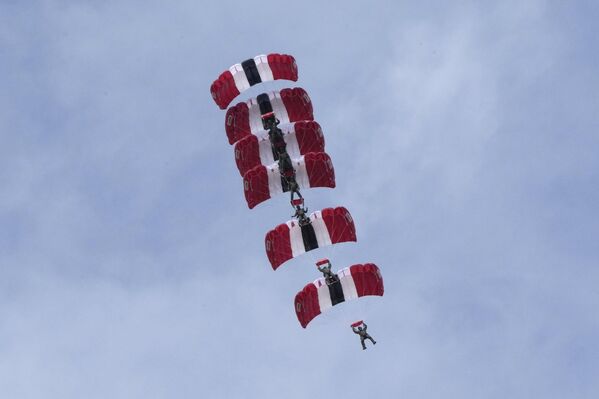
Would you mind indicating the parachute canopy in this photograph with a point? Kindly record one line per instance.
(300, 137)
(314, 169)
(288, 105)
(241, 77)
(354, 282)
(328, 226)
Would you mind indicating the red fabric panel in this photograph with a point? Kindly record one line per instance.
(255, 186)
(223, 89)
(298, 104)
(368, 279)
(247, 154)
(278, 245)
(309, 137)
(306, 304)
(320, 169)
(237, 122)
(340, 224)
(357, 323)
(283, 66)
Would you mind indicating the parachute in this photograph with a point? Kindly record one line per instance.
(241, 77)
(328, 226)
(261, 183)
(353, 282)
(301, 138)
(245, 118)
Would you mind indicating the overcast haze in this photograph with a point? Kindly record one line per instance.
(465, 140)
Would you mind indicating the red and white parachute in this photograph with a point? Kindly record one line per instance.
(328, 226)
(353, 282)
(250, 72)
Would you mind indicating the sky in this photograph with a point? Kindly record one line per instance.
(465, 140)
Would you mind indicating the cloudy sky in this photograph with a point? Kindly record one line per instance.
(465, 138)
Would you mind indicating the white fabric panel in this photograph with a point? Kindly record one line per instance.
(292, 145)
(320, 228)
(263, 67)
(324, 295)
(296, 239)
(301, 174)
(274, 180)
(348, 284)
(241, 81)
(278, 107)
(254, 116)
(265, 150)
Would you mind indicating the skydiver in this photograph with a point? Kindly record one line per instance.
(300, 215)
(270, 121)
(292, 187)
(277, 141)
(324, 266)
(361, 331)
(275, 135)
(288, 173)
(285, 164)
(300, 212)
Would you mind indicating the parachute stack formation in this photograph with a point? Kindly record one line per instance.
(279, 148)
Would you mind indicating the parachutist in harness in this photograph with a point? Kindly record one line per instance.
(288, 174)
(275, 135)
(361, 331)
(294, 188)
(269, 121)
(286, 166)
(300, 212)
(324, 266)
